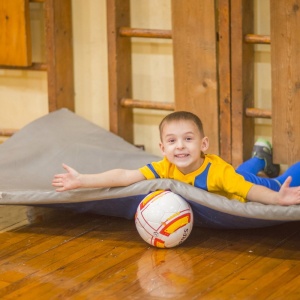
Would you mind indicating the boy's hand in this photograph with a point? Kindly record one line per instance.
(66, 181)
(289, 195)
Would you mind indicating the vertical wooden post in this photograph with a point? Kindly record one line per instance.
(224, 78)
(194, 46)
(242, 80)
(59, 49)
(285, 57)
(120, 73)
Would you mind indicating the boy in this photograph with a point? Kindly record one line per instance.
(183, 145)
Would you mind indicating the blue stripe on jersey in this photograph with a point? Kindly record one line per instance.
(153, 171)
(201, 179)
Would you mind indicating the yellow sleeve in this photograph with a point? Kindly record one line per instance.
(155, 170)
(226, 178)
(146, 171)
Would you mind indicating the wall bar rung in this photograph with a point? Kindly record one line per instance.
(146, 33)
(7, 132)
(147, 104)
(257, 39)
(258, 113)
(33, 67)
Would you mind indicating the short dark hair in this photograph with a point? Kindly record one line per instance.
(181, 115)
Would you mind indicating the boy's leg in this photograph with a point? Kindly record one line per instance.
(270, 183)
(294, 172)
(252, 165)
(261, 160)
(275, 183)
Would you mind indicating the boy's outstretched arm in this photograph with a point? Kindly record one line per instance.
(74, 180)
(286, 196)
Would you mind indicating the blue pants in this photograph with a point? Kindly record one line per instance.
(251, 167)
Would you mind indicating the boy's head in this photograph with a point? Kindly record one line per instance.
(181, 116)
(182, 141)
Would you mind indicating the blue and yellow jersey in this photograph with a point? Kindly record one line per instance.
(214, 175)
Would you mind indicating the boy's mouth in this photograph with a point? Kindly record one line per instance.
(181, 155)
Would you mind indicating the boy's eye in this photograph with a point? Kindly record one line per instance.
(189, 138)
(171, 140)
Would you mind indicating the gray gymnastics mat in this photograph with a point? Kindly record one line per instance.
(30, 158)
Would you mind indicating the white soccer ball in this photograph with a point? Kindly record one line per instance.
(164, 219)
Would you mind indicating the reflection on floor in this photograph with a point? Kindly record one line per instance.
(60, 255)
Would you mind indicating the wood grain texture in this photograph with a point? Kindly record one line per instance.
(195, 65)
(15, 36)
(224, 75)
(84, 256)
(285, 56)
(242, 79)
(59, 50)
(119, 68)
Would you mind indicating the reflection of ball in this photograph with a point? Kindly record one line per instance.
(164, 219)
(165, 274)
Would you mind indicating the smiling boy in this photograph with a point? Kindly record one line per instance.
(183, 144)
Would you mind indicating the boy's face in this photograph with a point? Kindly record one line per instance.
(182, 144)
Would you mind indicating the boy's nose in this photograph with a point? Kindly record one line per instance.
(180, 144)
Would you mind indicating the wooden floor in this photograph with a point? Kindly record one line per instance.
(94, 257)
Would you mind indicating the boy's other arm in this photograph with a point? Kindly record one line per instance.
(286, 196)
(116, 177)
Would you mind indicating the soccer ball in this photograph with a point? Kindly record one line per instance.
(164, 219)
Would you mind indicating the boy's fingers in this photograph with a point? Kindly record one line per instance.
(66, 167)
(287, 182)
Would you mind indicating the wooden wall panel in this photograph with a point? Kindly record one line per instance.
(15, 37)
(59, 49)
(195, 76)
(242, 80)
(285, 58)
(120, 69)
(224, 72)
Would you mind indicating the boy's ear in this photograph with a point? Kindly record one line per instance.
(162, 148)
(205, 144)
